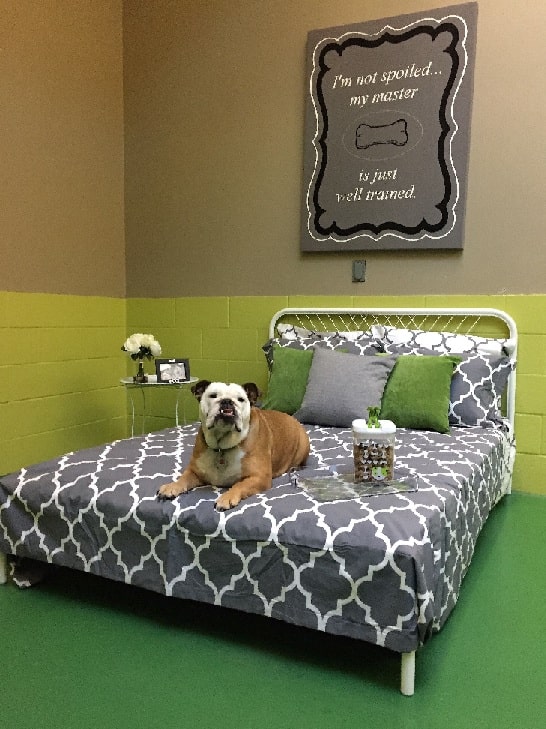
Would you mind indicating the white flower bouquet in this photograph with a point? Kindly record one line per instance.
(141, 345)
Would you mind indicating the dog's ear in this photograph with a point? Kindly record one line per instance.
(199, 388)
(252, 391)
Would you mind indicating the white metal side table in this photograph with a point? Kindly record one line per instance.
(130, 386)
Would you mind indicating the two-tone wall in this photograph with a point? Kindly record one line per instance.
(152, 153)
(59, 377)
(222, 337)
(62, 239)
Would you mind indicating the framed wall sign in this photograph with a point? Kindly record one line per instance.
(387, 132)
(172, 370)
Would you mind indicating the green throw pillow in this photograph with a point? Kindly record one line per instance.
(288, 379)
(417, 392)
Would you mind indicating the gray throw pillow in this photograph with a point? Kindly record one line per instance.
(341, 387)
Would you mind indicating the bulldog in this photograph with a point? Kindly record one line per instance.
(238, 445)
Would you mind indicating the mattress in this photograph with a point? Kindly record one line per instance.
(385, 567)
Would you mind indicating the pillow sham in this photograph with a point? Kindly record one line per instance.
(342, 386)
(439, 342)
(417, 394)
(288, 379)
(301, 343)
(363, 344)
(476, 388)
(292, 331)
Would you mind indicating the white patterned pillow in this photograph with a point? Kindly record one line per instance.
(440, 342)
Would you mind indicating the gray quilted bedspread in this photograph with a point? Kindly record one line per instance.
(385, 568)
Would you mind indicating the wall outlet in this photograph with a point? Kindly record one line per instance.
(359, 271)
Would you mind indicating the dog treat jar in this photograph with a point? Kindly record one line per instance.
(373, 450)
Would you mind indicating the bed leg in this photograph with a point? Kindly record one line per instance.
(3, 568)
(407, 682)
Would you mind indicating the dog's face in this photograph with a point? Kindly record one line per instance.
(225, 408)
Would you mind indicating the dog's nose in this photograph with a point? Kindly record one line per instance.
(226, 403)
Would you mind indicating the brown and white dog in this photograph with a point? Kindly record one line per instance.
(238, 445)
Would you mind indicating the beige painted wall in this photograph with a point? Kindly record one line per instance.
(214, 101)
(61, 86)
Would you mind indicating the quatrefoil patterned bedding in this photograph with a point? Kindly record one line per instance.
(386, 569)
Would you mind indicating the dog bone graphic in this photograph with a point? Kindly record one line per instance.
(368, 135)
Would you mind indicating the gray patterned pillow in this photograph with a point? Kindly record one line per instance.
(296, 343)
(439, 342)
(476, 387)
(292, 331)
(363, 344)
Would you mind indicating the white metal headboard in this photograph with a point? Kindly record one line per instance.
(479, 321)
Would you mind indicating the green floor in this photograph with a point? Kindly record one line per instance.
(82, 652)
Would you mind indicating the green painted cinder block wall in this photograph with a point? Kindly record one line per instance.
(61, 361)
(59, 377)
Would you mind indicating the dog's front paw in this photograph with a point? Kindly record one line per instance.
(170, 491)
(227, 501)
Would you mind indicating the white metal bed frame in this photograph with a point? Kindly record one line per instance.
(462, 320)
(456, 320)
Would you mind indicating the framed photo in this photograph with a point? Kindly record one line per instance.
(172, 370)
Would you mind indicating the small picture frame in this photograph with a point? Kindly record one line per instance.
(172, 370)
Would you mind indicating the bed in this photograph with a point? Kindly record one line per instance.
(382, 565)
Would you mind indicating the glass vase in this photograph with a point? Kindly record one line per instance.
(140, 377)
